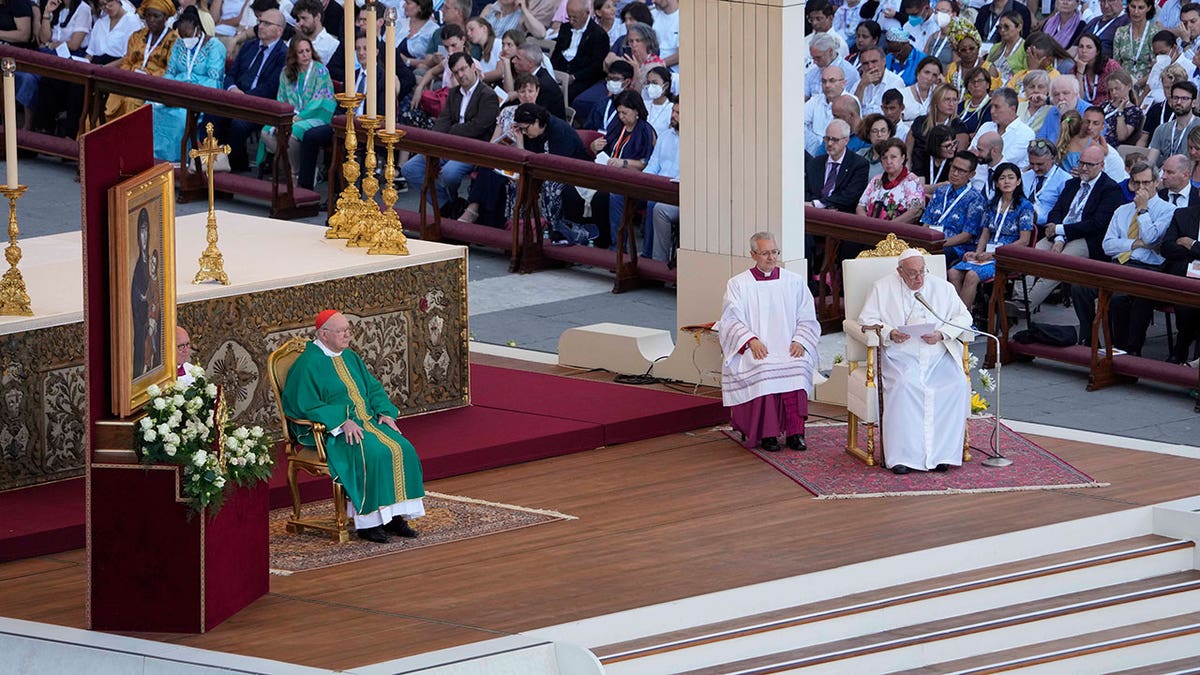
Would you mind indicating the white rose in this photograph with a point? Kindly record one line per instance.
(219, 482)
(154, 390)
(256, 431)
(241, 433)
(150, 435)
(177, 400)
(170, 449)
(160, 403)
(211, 389)
(194, 371)
(199, 458)
(146, 423)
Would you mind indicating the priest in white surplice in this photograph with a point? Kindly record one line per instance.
(926, 396)
(769, 335)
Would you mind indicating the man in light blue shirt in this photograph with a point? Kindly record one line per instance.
(1132, 240)
(1044, 180)
(664, 218)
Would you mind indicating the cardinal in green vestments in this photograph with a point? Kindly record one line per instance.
(368, 455)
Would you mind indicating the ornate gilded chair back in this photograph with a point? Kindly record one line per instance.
(861, 273)
(279, 363)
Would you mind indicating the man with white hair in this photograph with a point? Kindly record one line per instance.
(769, 334)
(818, 110)
(835, 180)
(823, 50)
(926, 396)
(1064, 94)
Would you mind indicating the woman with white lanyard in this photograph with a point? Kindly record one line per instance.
(1010, 218)
(195, 59)
(148, 52)
(939, 46)
(1131, 44)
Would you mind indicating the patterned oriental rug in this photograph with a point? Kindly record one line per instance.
(829, 473)
(447, 519)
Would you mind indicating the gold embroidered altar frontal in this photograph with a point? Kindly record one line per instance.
(409, 316)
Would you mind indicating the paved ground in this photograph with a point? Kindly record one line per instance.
(533, 310)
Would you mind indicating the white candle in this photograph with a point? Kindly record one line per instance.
(10, 123)
(372, 58)
(389, 70)
(348, 43)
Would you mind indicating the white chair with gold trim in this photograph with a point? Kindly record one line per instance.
(862, 343)
(306, 458)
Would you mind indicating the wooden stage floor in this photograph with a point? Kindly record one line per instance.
(659, 520)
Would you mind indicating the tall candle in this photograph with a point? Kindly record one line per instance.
(348, 43)
(10, 123)
(372, 58)
(389, 69)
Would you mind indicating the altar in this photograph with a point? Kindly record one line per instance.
(409, 315)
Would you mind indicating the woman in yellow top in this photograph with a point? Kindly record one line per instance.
(966, 41)
(148, 52)
(1008, 56)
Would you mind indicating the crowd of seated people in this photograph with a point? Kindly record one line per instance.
(1070, 126)
(464, 68)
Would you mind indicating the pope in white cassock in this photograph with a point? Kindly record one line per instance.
(769, 334)
(926, 395)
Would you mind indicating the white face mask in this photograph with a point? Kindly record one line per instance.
(942, 19)
(614, 86)
(654, 91)
(191, 42)
(1163, 60)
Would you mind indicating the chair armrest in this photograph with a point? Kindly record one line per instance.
(318, 433)
(854, 330)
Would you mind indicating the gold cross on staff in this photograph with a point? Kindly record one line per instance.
(212, 264)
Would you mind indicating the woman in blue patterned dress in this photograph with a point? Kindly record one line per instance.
(197, 59)
(1010, 218)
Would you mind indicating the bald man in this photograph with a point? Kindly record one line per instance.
(580, 48)
(1077, 224)
(368, 456)
(836, 180)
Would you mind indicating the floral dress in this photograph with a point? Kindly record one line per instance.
(1004, 227)
(887, 200)
(1133, 118)
(1135, 55)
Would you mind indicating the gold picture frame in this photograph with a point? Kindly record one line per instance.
(142, 286)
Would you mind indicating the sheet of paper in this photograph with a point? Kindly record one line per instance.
(916, 330)
(602, 158)
(62, 50)
(1193, 269)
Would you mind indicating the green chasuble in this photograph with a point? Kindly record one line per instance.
(384, 469)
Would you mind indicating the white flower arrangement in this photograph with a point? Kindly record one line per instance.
(180, 427)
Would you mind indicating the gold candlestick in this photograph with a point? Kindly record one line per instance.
(212, 263)
(345, 221)
(389, 238)
(370, 185)
(14, 301)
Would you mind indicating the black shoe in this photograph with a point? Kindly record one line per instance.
(770, 444)
(942, 468)
(399, 527)
(375, 534)
(796, 442)
(900, 469)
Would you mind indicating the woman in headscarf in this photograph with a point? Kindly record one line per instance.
(305, 84)
(965, 41)
(196, 58)
(148, 52)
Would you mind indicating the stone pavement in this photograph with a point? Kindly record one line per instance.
(530, 311)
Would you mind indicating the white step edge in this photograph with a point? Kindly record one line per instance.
(907, 614)
(1033, 632)
(823, 585)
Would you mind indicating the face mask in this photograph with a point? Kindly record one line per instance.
(942, 18)
(1163, 60)
(190, 43)
(654, 91)
(614, 86)
(915, 20)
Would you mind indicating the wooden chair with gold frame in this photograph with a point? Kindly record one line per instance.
(862, 345)
(302, 457)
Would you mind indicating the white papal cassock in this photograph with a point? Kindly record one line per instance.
(926, 396)
(777, 312)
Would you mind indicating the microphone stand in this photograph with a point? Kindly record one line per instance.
(995, 458)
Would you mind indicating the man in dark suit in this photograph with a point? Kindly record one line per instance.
(580, 49)
(321, 136)
(835, 180)
(528, 59)
(254, 72)
(470, 111)
(1177, 189)
(1181, 248)
(1077, 223)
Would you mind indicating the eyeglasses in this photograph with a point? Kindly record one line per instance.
(835, 139)
(1181, 99)
(182, 345)
(955, 167)
(1088, 165)
(521, 127)
(767, 254)
(261, 22)
(913, 274)
(832, 80)
(1140, 183)
(340, 331)
(1040, 144)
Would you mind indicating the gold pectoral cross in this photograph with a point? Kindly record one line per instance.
(212, 264)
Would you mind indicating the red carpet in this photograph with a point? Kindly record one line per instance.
(829, 473)
(515, 417)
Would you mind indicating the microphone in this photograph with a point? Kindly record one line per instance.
(995, 459)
